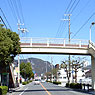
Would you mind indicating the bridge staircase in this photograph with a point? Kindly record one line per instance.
(92, 48)
(12, 82)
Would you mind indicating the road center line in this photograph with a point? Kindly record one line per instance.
(23, 91)
(45, 89)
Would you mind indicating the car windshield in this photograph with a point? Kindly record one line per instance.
(36, 79)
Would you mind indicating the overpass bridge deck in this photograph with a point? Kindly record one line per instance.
(54, 42)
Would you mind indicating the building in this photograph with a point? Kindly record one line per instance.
(62, 76)
(83, 74)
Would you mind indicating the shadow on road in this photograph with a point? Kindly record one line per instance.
(54, 90)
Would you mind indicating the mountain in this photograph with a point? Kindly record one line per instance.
(39, 66)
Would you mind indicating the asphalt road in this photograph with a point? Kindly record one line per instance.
(46, 89)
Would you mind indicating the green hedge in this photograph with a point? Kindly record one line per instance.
(30, 80)
(3, 90)
(49, 81)
(74, 85)
(55, 82)
(26, 82)
(67, 85)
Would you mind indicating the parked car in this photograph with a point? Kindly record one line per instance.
(36, 82)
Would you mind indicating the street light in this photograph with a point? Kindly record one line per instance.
(90, 29)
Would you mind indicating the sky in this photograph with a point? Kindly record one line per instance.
(44, 18)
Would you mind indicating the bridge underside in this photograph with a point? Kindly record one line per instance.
(57, 50)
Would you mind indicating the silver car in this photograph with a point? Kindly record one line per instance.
(36, 82)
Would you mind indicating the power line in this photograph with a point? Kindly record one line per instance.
(75, 6)
(12, 10)
(21, 12)
(3, 22)
(61, 23)
(5, 18)
(68, 6)
(16, 8)
(20, 7)
(71, 6)
(81, 10)
(83, 25)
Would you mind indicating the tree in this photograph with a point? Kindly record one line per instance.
(75, 64)
(48, 75)
(65, 66)
(9, 46)
(54, 72)
(26, 70)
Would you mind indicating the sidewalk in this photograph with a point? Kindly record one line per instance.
(81, 90)
(12, 90)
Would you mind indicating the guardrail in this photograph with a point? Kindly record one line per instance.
(53, 42)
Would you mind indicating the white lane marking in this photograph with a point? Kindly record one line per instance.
(23, 91)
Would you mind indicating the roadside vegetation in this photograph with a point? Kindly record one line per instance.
(26, 71)
(26, 82)
(54, 82)
(9, 48)
(3, 90)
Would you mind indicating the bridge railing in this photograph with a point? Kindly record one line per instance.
(53, 42)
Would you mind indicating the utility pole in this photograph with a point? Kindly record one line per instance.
(46, 66)
(69, 23)
(69, 42)
(52, 68)
(23, 30)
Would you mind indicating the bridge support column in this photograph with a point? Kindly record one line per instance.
(93, 72)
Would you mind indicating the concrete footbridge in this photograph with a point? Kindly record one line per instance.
(56, 46)
(60, 46)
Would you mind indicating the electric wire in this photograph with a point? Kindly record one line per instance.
(13, 12)
(12, 9)
(61, 22)
(67, 11)
(71, 10)
(20, 7)
(68, 6)
(75, 6)
(18, 4)
(83, 25)
(71, 6)
(3, 22)
(16, 8)
(80, 11)
(5, 18)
